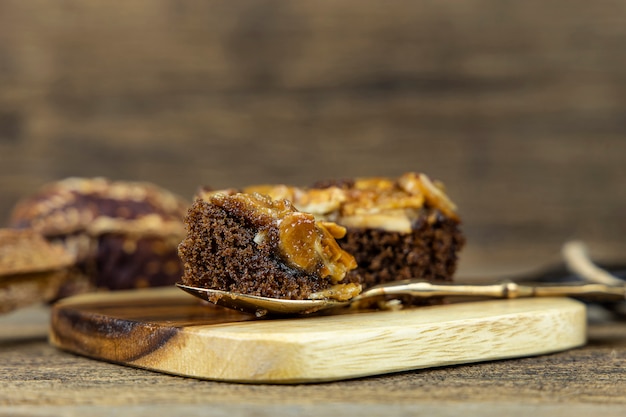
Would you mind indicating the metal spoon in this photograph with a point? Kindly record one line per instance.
(414, 288)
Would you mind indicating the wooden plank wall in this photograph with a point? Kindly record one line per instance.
(519, 107)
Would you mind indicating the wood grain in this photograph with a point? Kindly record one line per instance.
(169, 331)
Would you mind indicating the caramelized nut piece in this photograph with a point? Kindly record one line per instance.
(312, 247)
(433, 193)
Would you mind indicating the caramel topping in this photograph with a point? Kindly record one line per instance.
(375, 202)
(258, 209)
(303, 242)
(314, 201)
(310, 246)
(275, 192)
(433, 192)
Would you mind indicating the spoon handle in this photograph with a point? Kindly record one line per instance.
(502, 290)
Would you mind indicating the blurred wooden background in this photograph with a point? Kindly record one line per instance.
(519, 107)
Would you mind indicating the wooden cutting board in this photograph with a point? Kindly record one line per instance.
(170, 331)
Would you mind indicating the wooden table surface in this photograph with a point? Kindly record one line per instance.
(37, 379)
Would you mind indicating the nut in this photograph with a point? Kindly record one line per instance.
(373, 202)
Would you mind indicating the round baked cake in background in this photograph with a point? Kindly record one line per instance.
(122, 234)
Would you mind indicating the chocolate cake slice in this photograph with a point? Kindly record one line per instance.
(329, 240)
(251, 244)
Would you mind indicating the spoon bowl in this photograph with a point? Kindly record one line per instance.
(260, 306)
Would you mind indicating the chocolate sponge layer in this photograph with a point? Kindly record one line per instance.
(429, 252)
